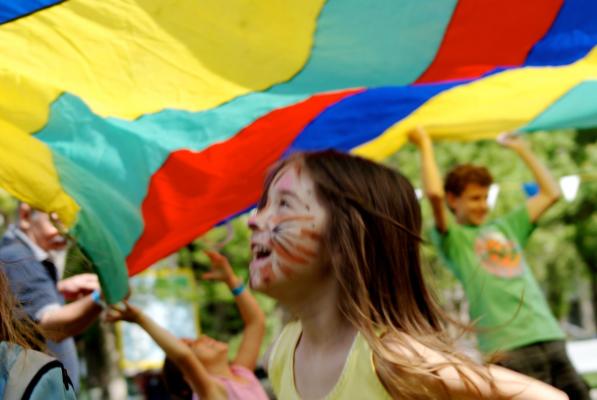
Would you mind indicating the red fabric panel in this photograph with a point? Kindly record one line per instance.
(483, 35)
(193, 191)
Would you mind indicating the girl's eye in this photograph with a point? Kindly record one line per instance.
(284, 203)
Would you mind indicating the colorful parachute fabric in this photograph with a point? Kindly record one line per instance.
(144, 123)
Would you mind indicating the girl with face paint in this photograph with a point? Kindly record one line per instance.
(336, 239)
(199, 368)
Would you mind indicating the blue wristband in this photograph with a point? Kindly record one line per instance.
(96, 296)
(238, 290)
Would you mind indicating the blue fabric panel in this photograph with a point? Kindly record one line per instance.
(572, 35)
(14, 9)
(364, 116)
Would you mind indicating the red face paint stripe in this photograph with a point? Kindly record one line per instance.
(277, 220)
(310, 253)
(283, 252)
(311, 234)
(213, 184)
(306, 251)
(287, 271)
(267, 274)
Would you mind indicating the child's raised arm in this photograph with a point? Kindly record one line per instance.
(433, 185)
(179, 352)
(253, 318)
(549, 191)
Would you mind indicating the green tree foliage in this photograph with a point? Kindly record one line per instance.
(7, 209)
(583, 212)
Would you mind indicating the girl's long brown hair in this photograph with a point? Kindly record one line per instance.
(15, 326)
(373, 243)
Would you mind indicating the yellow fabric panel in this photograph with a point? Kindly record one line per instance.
(24, 102)
(484, 108)
(126, 58)
(27, 172)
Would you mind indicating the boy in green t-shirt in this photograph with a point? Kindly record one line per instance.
(487, 257)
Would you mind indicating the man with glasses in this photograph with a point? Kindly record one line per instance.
(27, 257)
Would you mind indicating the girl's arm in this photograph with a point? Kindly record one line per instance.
(507, 384)
(179, 352)
(253, 318)
(520, 386)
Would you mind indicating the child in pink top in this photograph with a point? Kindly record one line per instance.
(203, 362)
(249, 389)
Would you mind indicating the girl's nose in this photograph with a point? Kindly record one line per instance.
(254, 222)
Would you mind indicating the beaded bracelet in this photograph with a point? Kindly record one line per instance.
(238, 290)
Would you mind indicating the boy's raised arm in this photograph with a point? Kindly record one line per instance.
(549, 191)
(433, 186)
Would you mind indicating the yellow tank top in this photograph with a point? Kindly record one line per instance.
(357, 381)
